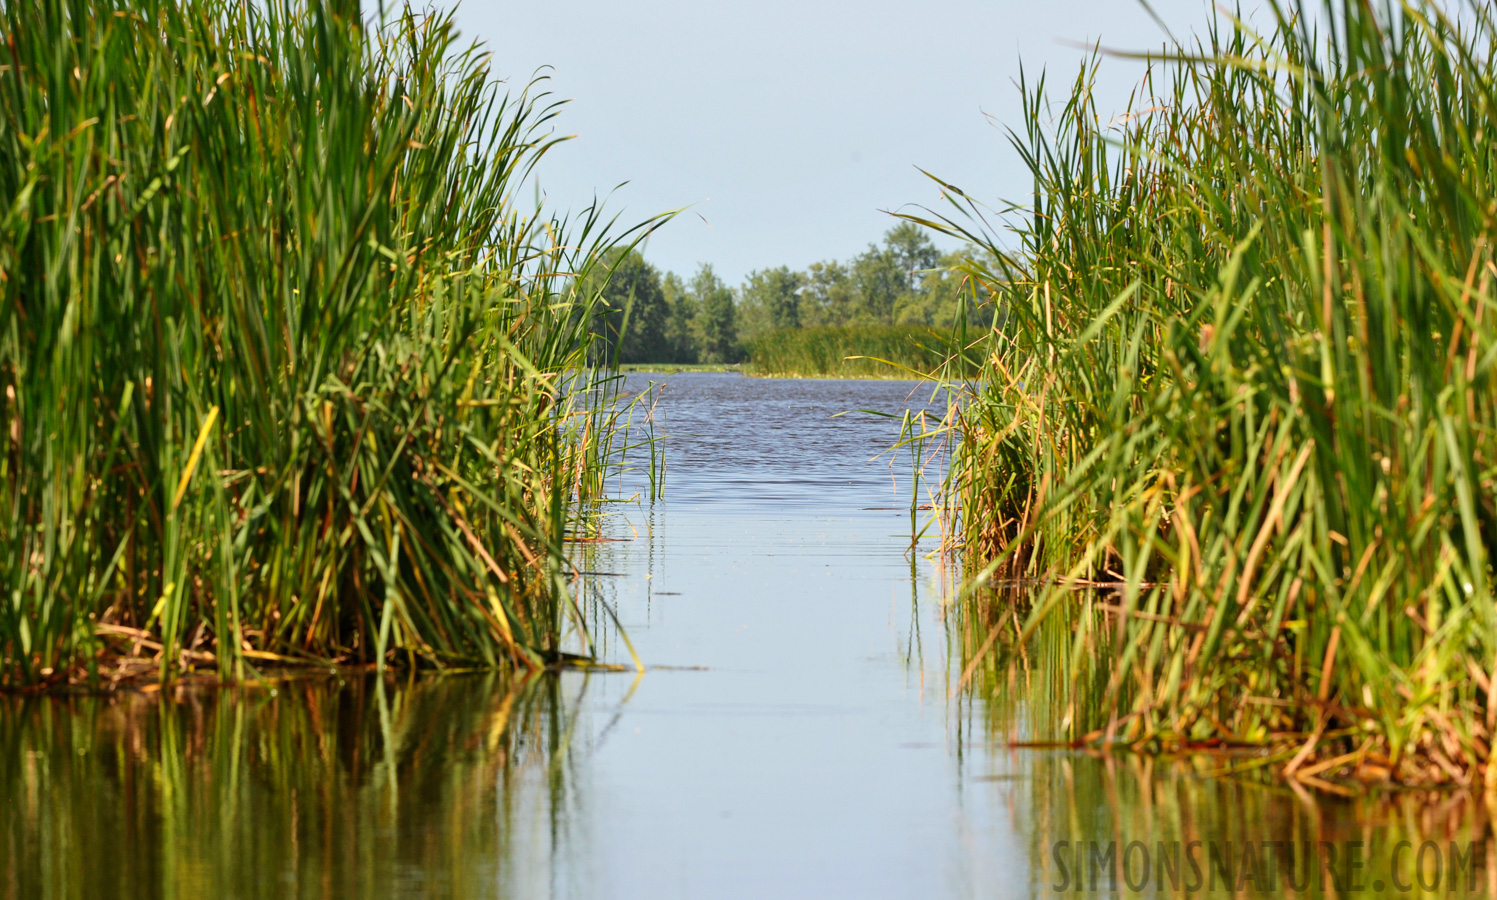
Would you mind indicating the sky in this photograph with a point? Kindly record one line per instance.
(785, 131)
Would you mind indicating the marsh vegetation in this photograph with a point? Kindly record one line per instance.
(898, 301)
(287, 371)
(1241, 400)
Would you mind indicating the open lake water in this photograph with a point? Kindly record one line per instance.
(798, 733)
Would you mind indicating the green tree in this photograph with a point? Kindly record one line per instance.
(911, 251)
(945, 293)
(637, 318)
(878, 284)
(716, 322)
(773, 297)
(680, 328)
(830, 296)
(889, 277)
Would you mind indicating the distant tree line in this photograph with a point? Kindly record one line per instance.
(666, 319)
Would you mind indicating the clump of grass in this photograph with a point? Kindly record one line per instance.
(1244, 379)
(855, 351)
(286, 372)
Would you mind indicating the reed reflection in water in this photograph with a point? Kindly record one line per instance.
(1130, 824)
(315, 787)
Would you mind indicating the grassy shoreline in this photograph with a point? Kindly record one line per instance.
(672, 368)
(749, 370)
(738, 368)
(858, 351)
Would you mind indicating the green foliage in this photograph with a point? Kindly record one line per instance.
(716, 326)
(680, 323)
(881, 351)
(637, 322)
(903, 303)
(830, 297)
(286, 370)
(885, 276)
(1247, 373)
(653, 319)
(906, 281)
(775, 295)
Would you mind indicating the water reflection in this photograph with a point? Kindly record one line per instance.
(1136, 825)
(1203, 824)
(315, 787)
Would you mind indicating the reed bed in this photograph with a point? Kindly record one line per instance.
(1242, 393)
(854, 351)
(287, 374)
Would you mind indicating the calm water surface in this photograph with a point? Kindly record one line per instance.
(798, 734)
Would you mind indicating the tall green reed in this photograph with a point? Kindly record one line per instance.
(288, 372)
(1243, 378)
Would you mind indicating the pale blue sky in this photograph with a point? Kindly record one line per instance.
(788, 126)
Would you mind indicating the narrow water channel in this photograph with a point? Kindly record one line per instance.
(798, 732)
